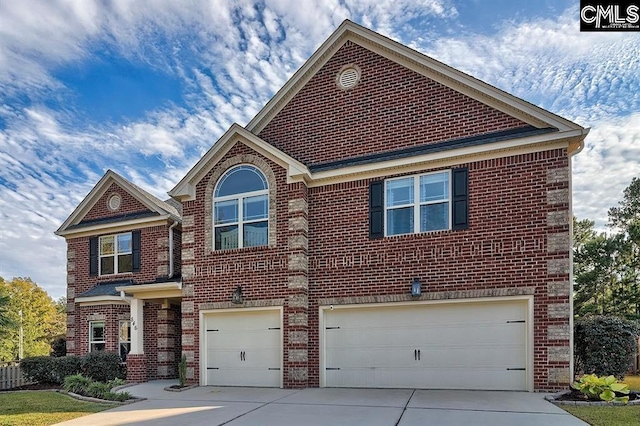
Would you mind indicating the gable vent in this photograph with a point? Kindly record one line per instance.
(114, 202)
(348, 77)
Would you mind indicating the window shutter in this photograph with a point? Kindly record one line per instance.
(376, 209)
(460, 198)
(93, 256)
(135, 250)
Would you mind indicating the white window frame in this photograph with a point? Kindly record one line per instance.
(115, 254)
(120, 341)
(240, 199)
(416, 203)
(92, 342)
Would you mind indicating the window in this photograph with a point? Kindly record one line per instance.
(241, 209)
(417, 203)
(116, 255)
(96, 336)
(124, 339)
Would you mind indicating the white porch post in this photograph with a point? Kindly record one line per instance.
(137, 321)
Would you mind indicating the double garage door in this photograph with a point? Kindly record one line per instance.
(438, 346)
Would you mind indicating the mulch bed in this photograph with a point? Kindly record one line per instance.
(576, 395)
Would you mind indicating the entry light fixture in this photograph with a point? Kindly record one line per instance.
(236, 297)
(416, 288)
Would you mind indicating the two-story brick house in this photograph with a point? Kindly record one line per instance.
(384, 221)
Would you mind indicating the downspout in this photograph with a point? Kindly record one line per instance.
(175, 223)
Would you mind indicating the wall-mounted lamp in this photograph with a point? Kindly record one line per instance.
(416, 288)
(236, 297)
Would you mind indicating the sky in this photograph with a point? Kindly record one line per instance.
(146, 87)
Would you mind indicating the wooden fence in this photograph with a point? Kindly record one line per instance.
(11, 377)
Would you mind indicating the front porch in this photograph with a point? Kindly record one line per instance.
(156, 331)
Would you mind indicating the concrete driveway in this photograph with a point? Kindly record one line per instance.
(370, 407)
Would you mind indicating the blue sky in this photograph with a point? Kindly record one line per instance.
(146, 87)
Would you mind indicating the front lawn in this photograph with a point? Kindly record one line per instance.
(609, 416)
(43, 408)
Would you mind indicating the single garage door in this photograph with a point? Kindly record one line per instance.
(243, 348)
(433, 346)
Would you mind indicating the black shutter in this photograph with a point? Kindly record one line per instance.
(460, 198)
(93, 256)
(135, 250)
(376, 209)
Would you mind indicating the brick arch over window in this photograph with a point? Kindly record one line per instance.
(217, 174)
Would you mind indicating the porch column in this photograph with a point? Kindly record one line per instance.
(137, 325)
(137, 360)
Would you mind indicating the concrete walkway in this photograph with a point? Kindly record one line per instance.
(309, 407)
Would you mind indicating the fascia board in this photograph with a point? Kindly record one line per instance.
(473, 153)
(111, 227)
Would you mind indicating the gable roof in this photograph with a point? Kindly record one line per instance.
(416, 61)
(544, 129)
(185, 189)
(159, 209)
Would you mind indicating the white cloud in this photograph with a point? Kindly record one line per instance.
(231, 57)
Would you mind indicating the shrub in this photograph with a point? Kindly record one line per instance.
(76, 383)
(182, 370)
(604, 345)
(103, 366)
(66, 366)
(602, 388)
(59, 347)
(86, 386)
(39, 369)
(97, 389)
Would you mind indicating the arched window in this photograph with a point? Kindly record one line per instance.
(241, 209)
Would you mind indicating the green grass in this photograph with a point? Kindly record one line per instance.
(35, 408)
(607, 415)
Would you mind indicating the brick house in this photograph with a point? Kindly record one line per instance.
(384, 221)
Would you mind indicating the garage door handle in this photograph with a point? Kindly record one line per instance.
(415, 354)
(418, 354)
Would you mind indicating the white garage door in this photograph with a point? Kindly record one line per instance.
(434, 346)
(243, 348)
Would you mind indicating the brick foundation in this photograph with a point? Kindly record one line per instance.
(137, 368)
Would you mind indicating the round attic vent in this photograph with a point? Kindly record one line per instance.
(348, 77)
(114, 202)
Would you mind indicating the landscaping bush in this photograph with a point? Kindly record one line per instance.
(66, 366)
(103, 366)
(86, 386)
(38, 369)
(59, 347)
(602, 388)
(76, 383)
(604, 345)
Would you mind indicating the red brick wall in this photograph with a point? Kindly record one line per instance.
(261, 271)
(154, 240)
(505, 246)
(392, 107)
(128, 205)
(110, 314)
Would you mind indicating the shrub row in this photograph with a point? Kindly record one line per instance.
(82, 385)
(99, 366)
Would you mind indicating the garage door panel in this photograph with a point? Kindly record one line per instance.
(461, 346)
(243, 348)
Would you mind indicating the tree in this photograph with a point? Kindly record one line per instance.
(607, 265)
(40, 320)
